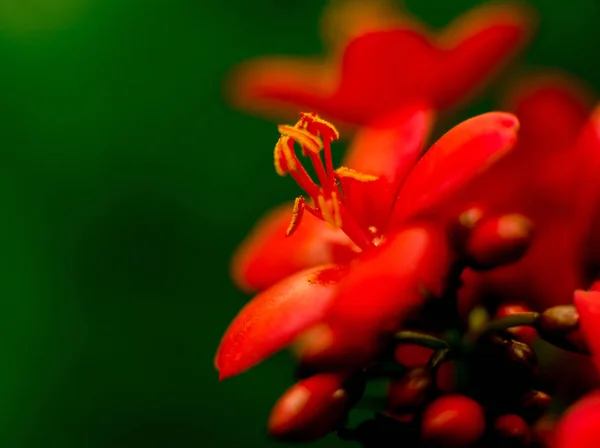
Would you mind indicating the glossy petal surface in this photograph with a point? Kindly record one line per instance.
(267, 255)
(588, 200)
(579, 426)
(588, 306)
(388, 149)
(453, 161)
(272, 319)
(376, 296)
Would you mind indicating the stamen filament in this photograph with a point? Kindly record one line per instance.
(314, 134)
(329, 164)
(351, 228)
(320, 170)
(305, 182)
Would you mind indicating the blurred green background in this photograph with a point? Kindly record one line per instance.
(126, 183)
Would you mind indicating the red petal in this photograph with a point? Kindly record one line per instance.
(552, 109)
(588, 306)
(275, 317)
(272, 85)
(377, 295)
(454, 160)
(579, 426)
(268, 255)
(388, 64)
(587, 216)
(387, 149)
(477, 45)
(390, 147)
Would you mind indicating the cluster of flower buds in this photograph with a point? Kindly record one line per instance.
(460, 277)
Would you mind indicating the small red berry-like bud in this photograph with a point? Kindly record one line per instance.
(512, 430)
(498, 241)
(559, 325)
(524, 333)
(534, 404)
(460, 229)
(413, 390)
(544, 432)
(410, 355)
(309, 409)
(447, 377)
(453, 421)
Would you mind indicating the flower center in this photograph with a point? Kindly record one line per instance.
(326, 201)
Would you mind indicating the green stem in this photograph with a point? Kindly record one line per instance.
(422, 339)
(438, 358)
(514, 320)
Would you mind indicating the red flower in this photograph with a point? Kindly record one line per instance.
(357, 302)
(380, 60)
(551, 177)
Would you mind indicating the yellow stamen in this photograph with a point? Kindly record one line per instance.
(303, 137)
(297, 214)
(282, 151)
(349, 172)
(325, 208)
(322, 125)
(277, 155)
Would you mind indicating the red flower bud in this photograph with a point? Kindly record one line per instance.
(534, 404)
(559, 325)
(524, 333)
(498, 241)
(412, 390)
(309, 409)
(511, 428)
(454, 420)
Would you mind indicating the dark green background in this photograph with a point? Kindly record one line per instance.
(126, 183)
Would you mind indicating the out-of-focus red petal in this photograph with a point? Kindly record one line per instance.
(277, 86)
(552, 108)
(588, 306)
(267, 255)
(453, 161)
(442, 70)
(387, 149)
(587, 216)
(386, 63)
(390, 147)
(477, 44)
(275, 317)
(383, 289)
(344, 20)
(579, 426)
